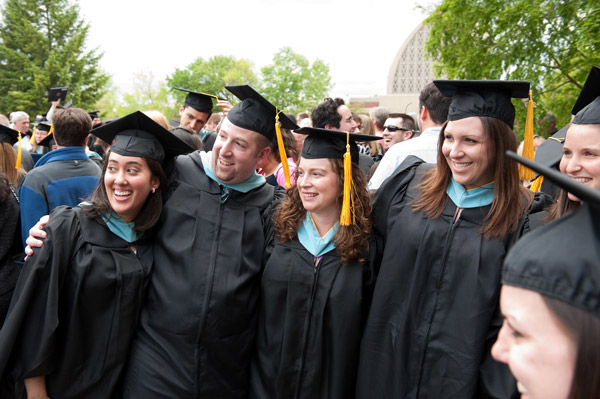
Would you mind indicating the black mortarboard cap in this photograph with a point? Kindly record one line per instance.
(589, 92)
(8, 135)
(256, 113)
(47, 141)
(331, 144)
(483, 98)
(57, 92)
(43, 125)
(562, 259)
(93, 114)
(590, 115)
(201, 102)
(137, 135)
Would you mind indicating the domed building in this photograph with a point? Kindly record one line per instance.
(410, 71)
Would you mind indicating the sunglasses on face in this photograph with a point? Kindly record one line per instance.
(393, 128)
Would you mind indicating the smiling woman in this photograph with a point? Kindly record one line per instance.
(314, 288)
(77, 300)
(441, 234)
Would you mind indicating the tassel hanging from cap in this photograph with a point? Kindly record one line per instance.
(18, 164)
(526, 173)
(346, 217)
(537, 184)
(282, 154)
(32, 139)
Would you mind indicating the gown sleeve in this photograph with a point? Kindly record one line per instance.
(27, 340)
(390, 193)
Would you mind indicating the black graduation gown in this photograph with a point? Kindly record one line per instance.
(75, 308)
(198, 326)
(434, 315)
(310, 324)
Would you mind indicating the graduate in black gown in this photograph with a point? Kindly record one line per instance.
(314, 289)
(78, 298)
(440, 236)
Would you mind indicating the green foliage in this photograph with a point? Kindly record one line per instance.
(42, 45)
(147, 95)
(292, 83)
(551, 43)
(211, 77)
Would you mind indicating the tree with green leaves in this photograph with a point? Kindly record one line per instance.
(42, 45)
(148, 94)
(211, 77)
(292, 83)
(551, 43)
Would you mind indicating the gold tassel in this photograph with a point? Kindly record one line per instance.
(537, 184)
(18, 164)
(282, 155)
(526, 173)
(32, 139)
(346, 218)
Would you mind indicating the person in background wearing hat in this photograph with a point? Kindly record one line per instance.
(77, 300)
(198, 324)
(440, 236)
(313, 288)
(61, 177)
(40, 132)
(196, 111)
(549, 300)
(8, 156)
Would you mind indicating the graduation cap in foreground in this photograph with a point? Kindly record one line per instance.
(483, 98)
(56, 93)
(201, 102)
(257, 114)
(561, 260)
(137, 135)
(334, 144)
(331, 144)
(8, 135)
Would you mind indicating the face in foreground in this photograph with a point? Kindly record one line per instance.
(318, 186)
(192, 119)
(581, 156)
(466, 148)
(128, 182)
(538, 350)
(236, 153)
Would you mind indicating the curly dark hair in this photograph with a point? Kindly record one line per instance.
(351, 242)
(326, 113)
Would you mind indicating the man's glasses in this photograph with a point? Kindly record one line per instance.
(393, 128)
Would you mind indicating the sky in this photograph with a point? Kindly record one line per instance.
(357, 39)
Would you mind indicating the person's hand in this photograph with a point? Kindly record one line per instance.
(55, 103)
(225, 106)
(34, 233)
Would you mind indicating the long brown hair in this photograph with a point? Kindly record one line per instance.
(561, 206)
(584, 329)
(351, 242)
(510, 198)
(152, 209)
(8, 160)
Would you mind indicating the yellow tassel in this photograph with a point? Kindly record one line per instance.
(18, 164)
(537, 184)
(32, 139)
(526, 173)
(51, 129)
(282, 155)
(346, 217)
